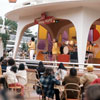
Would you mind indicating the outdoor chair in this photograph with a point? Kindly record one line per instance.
(74, 90)
(15, 89)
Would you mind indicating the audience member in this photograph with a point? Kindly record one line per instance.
(2, 79)
(4, 66)
(40, 69)
(12, 79)
(11, 62)
(48, 80)
(88, 77)
(22, 74)
(61, 72)
(93, 92)
(72, 78)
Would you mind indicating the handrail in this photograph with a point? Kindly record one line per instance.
(54, 63)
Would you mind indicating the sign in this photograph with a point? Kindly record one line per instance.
(44, 19)
(12, 1)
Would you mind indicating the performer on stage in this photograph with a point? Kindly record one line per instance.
(90, 49)
(54, 49)
(31, 46)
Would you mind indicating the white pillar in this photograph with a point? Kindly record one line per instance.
(82, 30)
(18, 38)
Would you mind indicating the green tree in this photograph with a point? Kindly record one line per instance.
(4, 37)
(12, 26)
(1, 20)
(24, 46)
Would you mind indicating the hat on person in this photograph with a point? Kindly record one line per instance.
(90, 68)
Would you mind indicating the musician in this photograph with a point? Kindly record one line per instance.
(31, 46)
(54, 49)
(71, 46)
(90, 49)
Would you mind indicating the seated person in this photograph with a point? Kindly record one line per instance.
(22, 74)
(40, 69)
(48, 80)
(12, 79)
(88, 77)
(4, 66)
(92, 92)
(61, 72)
(90, 49)
(11, 62)
(72, 78)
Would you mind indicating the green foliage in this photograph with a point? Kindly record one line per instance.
(24, 46)
(1, 20)
(12, 26)
(4, 37)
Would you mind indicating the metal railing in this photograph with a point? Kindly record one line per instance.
(54, 64)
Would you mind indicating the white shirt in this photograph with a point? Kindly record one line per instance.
(62, 73)
(22, 77)
(10, 77)
(8, 68)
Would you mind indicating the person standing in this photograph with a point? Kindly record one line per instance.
(54, 49)
(31, 46)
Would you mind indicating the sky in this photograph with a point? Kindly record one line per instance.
(5, 6)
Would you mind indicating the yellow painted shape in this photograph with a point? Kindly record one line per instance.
(60, 38)
(98, 55)
(98, 28)
(72, 33)
(42, 33)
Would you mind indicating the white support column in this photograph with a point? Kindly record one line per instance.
(82, 29)
(18, 38)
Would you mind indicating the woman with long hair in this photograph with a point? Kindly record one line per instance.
(40, 69)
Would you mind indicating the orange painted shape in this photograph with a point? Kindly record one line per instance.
(98, 55)
(40, 56)
(96, 46)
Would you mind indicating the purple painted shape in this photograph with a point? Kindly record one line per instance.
(49, 43)
(90, 36)
(42, 44)
(64, 36)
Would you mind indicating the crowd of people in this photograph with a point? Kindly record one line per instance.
(12, 75)
(48, 78)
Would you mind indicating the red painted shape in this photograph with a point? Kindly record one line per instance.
(44, 19)
(96, 35)
(63, 58)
